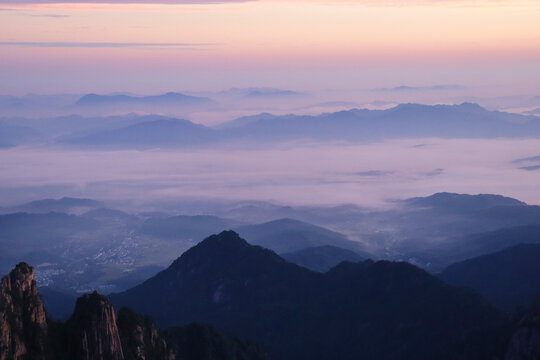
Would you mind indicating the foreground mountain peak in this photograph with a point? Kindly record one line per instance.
(94, 328)
(23, 325)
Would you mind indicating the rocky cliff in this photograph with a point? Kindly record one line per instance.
(141, 340)
(94, 332)
(23, 324)
(93, 329)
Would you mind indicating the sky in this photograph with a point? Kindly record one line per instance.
(152, 47)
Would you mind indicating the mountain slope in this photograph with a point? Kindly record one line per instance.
(508, 278)
(373, 310)
(288, 235)
(321, 258)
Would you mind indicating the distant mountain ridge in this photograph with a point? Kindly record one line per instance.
(289, 235)
(170, 98)
(462, 202)
(160, 133)
(403, 121)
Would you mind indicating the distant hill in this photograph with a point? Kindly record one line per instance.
(438, 230)
(288, 235)
(156, 133)
(322, 258)
(65, 204)
(38, 229)
(168, 99)
(508, 278)
(184, 227)
(450, 202)
(11, 135)
(372, 310)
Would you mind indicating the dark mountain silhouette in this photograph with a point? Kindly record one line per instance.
(95, 332)
(322, 258)
(508, 278)
(141, 339)
(92, 330)
(288, 235)
(205, 342)
(524, 340)
(375, 310)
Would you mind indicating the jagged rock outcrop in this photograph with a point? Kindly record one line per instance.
(23, 324)
(94, 332)
(525, 341)
(140, 338)
(93, 329)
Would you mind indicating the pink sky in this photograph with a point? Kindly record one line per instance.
(303, 45)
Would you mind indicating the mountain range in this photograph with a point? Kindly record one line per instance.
(363, 309)
(380, 310)
(466, 120)
(82, 246)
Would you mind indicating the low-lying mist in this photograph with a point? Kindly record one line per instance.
(307, 173)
